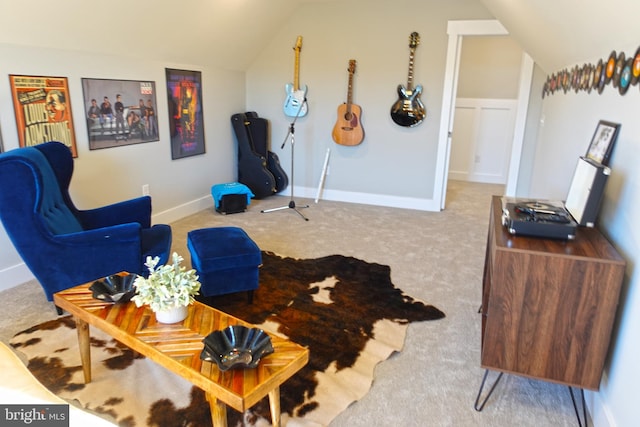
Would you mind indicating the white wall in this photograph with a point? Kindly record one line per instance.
(481, 140)
(393, 165)
(178, 187)
(489, 67)
(569, 122)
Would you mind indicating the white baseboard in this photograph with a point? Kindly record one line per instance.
(178, 212)
(600, 414)
(369, 199)
(19, 273)
(14, 276)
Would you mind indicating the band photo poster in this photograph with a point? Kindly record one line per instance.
(120, 112)
(43, 110)
(184, 93)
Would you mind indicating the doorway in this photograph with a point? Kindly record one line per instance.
(457, 30)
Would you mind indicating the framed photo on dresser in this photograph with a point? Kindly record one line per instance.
(602, 142)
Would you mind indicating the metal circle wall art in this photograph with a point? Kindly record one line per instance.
(611, 66)
(635, 69)
(617, 70)
(615, 80)
(625, 77)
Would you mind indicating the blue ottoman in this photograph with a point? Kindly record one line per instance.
(226, 259)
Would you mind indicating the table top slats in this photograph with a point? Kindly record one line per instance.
(177, 346)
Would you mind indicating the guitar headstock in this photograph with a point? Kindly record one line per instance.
(352, 66)
(414, 40)
(298, 45)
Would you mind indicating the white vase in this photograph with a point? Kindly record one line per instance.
(173, 315)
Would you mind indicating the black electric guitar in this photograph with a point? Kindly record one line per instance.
(295, 105)
(408, 110)
(348, 129)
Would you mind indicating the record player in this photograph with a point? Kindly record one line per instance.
(541, 218)
(556, 219)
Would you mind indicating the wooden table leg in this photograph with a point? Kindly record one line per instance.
(218, 411)
(274, 405)
(82, 328)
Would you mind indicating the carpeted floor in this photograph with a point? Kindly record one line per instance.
(344, 310)
(435, 257)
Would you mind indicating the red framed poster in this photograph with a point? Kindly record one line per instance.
(43, 110)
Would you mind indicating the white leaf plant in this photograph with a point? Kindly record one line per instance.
(168, 286)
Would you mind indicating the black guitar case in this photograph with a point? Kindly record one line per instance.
(259, 137)
(252, 167)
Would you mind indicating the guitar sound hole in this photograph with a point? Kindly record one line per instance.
(348, 116)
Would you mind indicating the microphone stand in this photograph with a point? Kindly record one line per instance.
(292, 131)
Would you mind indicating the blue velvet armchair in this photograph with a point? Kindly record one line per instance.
(62, 245)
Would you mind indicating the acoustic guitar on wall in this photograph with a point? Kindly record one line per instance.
(348, 128)
(295, 105)
(408, 110)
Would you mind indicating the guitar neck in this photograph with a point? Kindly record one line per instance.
(296, 66)
(350, 93)
(296, 72)
(410, 76)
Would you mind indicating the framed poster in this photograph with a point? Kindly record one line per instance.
(120, 112)
(43, 110)
(184, 93)
(602, 142)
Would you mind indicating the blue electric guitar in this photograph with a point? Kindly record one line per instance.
(408, 110)
(295, 104)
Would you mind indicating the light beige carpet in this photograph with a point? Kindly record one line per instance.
(434, 256)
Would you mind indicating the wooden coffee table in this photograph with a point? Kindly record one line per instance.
(177, 347)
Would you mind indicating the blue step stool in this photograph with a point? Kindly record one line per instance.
(231, 197)
(226, 259)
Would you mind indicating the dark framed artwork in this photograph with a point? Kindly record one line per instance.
(120, 112)
(602, 142)
(43, 110)
(186, 126)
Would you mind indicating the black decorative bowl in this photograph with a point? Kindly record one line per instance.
(236, 347)
(114, 288)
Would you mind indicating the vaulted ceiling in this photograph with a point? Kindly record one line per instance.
(561, 33)
(230, 33)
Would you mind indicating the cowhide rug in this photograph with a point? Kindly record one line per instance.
(345, 310)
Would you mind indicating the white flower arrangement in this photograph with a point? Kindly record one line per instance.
(168, 286)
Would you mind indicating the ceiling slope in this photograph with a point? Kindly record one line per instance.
(560, 33)
(227, 33)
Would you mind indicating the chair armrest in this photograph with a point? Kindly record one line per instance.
(113, 235)
(134, 210)
(60, 261)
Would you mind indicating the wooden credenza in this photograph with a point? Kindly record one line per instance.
(548, 306)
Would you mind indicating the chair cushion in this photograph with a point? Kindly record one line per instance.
(54, 211)
(155, 241)
(220, 248)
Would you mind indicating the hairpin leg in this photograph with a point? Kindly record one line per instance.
(584, 407)
(484, 379)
